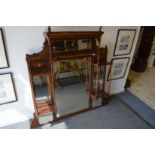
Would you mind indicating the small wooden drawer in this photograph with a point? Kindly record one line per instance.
(40, 66)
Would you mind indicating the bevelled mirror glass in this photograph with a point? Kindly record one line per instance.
(71, 85)
(71, 45)
(41, 89)
(98, 84)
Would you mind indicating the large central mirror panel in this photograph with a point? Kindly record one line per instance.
(71, 85)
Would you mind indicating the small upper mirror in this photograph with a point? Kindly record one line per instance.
(71, 45)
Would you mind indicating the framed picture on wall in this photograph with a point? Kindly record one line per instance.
(7, 89)
(124, 42)
(3, 56)
(119, 67)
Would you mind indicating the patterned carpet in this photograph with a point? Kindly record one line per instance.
(143, 85)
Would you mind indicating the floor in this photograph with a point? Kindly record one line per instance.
(114, 115)
(143, 86)
(139, 107)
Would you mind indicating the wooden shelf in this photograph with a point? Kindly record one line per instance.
(72, 54)
(65, 35)
(44, 108)
(43, 103)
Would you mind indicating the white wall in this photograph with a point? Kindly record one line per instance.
(109, 38)
(22, 40)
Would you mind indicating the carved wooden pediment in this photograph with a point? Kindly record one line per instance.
(44, 53)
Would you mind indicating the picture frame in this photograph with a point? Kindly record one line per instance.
(119, 67)
(124, 42)
(3, 56)
(7, 89)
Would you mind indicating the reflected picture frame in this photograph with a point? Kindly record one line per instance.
(119, 68)
(7, 89)
(124, 42)
(3, 55)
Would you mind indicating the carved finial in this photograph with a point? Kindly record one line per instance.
(100, 28)
(49, 29)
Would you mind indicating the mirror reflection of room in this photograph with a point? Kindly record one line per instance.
(70, 85)
(41, 89)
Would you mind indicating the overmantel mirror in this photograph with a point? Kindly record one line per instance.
(68, 76)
